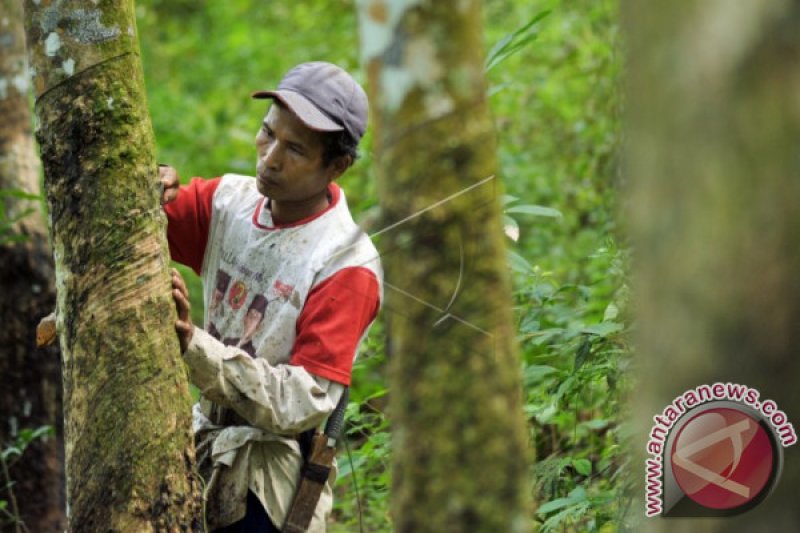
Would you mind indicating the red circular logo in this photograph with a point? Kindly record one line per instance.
(722, 458)
(237, 295)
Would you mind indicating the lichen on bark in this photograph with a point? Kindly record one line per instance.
(127, 405)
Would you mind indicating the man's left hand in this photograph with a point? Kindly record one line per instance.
(183, 326)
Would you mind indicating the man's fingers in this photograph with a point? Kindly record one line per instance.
(168, 194)
(167, 173)
(182, 305)
(169, 183)
(178, 283)
(183, 326)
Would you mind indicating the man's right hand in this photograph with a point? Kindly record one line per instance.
(169, 183)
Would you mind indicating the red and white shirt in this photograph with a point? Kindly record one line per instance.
(286, 306)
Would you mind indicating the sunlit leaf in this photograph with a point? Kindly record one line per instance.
(536, 210)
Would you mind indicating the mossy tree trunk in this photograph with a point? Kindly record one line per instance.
(713, 129)
(30, 396)
(129, 453)
(459, 444)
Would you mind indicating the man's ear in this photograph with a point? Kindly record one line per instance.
(338, 166)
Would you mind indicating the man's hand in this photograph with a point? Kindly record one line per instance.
(169, 183)
(183, 326)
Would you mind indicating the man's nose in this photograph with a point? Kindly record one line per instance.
(273, 156)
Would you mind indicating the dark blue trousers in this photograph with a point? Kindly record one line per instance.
(254, 521)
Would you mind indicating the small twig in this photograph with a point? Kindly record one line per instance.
(19, 526)
(355, 485)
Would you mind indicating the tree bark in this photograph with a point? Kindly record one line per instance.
(129, 452)
(31, 393)
(459, 441)
(713, 126)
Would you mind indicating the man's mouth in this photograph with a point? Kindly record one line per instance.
(266, 180)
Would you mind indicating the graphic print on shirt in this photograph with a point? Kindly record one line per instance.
(283, 289)
(220, 286)
(252, 322)
(253, 299)
(237, 295)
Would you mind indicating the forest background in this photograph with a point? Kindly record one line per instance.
(554, 91)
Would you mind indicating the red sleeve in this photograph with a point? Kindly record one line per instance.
(332, 322)
(189, 219)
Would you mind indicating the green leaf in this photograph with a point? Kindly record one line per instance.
(536, 373)
(347, 468)
(498, 46)
(543, 415)
(513, 42)
(508, 221)
(554, 505)
(518, 263)
(8, 452)
(510, 228)
(596, 424)
(582, 355)
(530, 324)
(377, 394)
(582, 466)
(577, 495)
(536, 18)
(603, 329)
(611, 312)
(494, 89)
(19, 194)
(536, 210)
(565, 386)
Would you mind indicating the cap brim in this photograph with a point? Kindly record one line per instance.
(301, 106)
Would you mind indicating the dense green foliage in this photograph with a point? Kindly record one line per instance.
(555, 99)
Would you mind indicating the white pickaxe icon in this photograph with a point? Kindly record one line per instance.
(734, 433)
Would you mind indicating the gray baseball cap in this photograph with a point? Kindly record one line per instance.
(324, 97)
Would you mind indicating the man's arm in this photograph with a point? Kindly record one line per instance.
(188, 210)
(285, 399)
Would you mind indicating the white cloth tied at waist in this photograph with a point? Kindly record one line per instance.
(235, 450)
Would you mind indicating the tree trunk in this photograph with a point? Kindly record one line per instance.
(459, 441)
(713, 129)
(31, 393)
(129, 453)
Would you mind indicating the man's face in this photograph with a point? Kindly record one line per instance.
(290, 167)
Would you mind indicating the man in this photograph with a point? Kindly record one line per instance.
(287, 238)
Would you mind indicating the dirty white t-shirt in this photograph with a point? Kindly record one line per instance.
(286, 307)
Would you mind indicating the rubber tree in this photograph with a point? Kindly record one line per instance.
(31, 393)
(713, 121)
(129, 452)
(459, 444)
